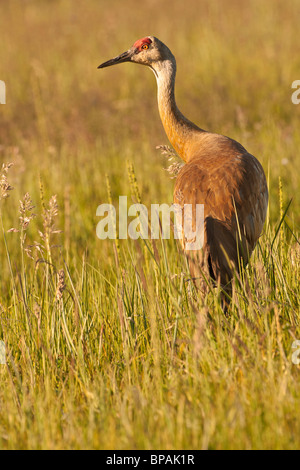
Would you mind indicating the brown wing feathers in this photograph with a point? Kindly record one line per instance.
(234, 194)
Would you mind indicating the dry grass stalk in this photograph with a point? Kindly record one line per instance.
(25, 210)
(60, 284)
(175, 167)
(5, 187)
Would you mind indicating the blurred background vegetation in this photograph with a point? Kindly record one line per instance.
(236, 63)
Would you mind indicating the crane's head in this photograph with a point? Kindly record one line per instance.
(148, 51)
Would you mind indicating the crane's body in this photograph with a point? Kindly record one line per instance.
(219, 173)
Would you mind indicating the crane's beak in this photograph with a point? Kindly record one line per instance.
(125, 57)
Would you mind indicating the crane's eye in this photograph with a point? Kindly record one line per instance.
(145, 46)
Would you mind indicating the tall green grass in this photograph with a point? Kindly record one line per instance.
(108, 345)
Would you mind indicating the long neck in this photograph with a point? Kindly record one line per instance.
(179, 129)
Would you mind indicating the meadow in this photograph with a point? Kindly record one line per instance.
(107, 344)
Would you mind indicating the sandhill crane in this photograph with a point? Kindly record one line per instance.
(219, 173)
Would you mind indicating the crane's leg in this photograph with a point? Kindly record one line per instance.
(206, 277)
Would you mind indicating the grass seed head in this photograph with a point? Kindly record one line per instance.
(25, 210)
(5, 187)
(60, 284)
